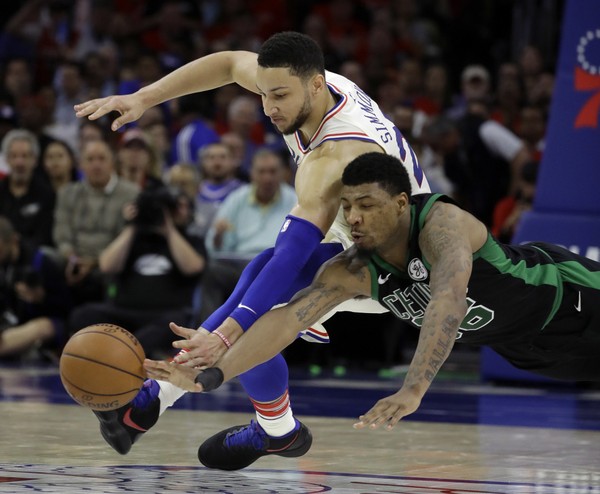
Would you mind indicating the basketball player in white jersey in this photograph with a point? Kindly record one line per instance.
(326, 121)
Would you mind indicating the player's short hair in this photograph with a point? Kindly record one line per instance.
(295, 51)
(379, 168)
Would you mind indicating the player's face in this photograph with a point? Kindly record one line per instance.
(285, 98)
(373, 215)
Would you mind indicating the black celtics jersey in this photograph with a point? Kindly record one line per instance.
(513, 290)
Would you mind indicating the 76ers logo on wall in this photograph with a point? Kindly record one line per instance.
(587, 77)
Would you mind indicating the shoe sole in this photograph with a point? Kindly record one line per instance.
(118, 440)
(290, 453)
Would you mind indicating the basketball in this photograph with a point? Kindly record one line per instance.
(101, 367)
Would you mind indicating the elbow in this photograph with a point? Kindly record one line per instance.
(195, 267)
(107, 267)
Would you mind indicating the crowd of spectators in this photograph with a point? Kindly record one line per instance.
(74, 195)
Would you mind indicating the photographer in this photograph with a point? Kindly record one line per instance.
(156, 266)
(34, 297)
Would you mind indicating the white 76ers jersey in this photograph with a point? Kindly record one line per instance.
(357, 116)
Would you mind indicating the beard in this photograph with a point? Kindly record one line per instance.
(300, 118)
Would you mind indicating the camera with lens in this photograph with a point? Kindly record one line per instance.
(152, 205)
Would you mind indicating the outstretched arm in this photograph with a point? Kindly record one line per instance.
(447, 246)
(318, 186)
(338, 281)
(203, 74)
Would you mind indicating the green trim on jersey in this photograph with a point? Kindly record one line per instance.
(573, 272)
(540, 274)
(426, 208)
(374, 283)
(375, 259)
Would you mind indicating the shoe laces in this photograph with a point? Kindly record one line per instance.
(148, 393)
(251, 435)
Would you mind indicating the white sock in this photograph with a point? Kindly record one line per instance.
(280, 426)
(168, 395)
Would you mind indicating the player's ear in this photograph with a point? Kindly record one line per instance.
(402, 202)
(318, 83)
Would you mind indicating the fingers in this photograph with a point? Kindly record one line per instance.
(97, 108)
(156, 369)
(183, 378)
(380, 415)
(186, 333)
(94, 108)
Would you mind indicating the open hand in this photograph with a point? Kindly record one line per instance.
(179, 375)
(202, 348)
(129, 106)
(388, 411)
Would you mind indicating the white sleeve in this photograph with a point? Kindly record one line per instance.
(499, 140)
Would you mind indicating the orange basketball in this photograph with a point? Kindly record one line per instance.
(101, 367)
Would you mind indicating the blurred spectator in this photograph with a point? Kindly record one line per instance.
(355, 72)
(8, 122)
(60, 164)
(70, 90)
(146, 70)
(156, 267)
(508, 211)
(88, 216)
(346, 22)
(417, 35)
(315, 26)
(247, 222)
(99, 26)
(218, 171)
(410, 79)
(34, 113)
(90, 130)
(540, 93)
(137, 160)
(99, 71)
(18, 79)
(243, 119)
(509, 97)
(196, 131)
(481, 157)
(410, 123)
(531, 63)
(532, 130)
(475, 85)
(154, 124)
(34, 298)
(435, 98)
(26, 199)
(184, 177)
(47, 27)
(170, 33)
(236, 146)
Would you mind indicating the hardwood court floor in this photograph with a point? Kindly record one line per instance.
(467, 438)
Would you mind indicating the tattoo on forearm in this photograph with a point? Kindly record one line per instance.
(319, 300)
(443, 345)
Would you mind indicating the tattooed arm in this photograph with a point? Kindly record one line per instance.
(342, 278)
(339, 280)
(447, 243)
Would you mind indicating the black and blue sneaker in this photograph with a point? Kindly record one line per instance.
(237, 447)
(124, 426)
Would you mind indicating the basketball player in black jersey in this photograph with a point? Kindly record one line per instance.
(437, 267)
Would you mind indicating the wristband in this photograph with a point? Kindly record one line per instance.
(224, 338)
(210, 378)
